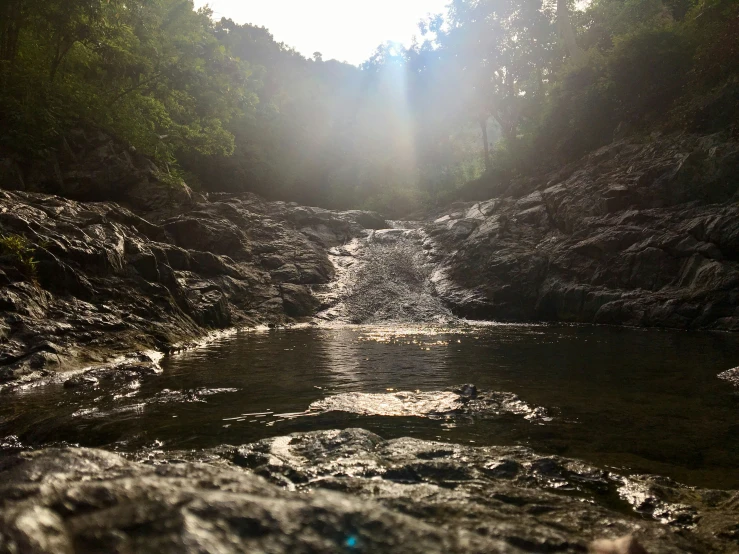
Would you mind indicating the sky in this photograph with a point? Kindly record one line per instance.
(346, 30)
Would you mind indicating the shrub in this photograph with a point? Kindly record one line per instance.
(648, 70)
(580, 115)
(715, 26)
(19, 252)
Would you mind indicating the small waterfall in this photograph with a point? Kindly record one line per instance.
(384, 278)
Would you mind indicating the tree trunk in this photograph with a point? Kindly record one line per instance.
(508, 126)
(61, 52)
(12, 14)
(568, 32)
(485, 140)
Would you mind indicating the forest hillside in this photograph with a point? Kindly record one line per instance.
(489, 90)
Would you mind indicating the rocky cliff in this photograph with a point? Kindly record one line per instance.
(640, 232)
(84, 281)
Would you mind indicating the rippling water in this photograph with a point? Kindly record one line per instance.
(637, 400)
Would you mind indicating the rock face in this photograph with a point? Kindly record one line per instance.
(104, 280)
(643, 234)
(346, 491)
(90, 165)
(635, 234)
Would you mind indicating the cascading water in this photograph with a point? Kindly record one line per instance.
(384, 278)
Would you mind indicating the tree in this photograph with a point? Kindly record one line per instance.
(13, 15)
(567, 32)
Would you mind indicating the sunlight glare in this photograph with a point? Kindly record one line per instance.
(339, 29)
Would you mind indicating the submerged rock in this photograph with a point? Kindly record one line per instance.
(462, 400)
(402, 403)
(624, 545)
(199, 394)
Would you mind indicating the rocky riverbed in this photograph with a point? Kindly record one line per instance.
(642, 233)
(638, 233)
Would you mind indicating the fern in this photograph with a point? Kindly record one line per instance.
(20, 252)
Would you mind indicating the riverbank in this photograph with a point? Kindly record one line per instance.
(102, 281)
(640, 233)
(643, 232)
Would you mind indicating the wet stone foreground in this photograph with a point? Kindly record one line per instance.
(346, 491)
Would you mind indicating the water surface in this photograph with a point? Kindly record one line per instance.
(635, 400)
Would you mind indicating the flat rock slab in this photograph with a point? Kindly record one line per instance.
(430, 404)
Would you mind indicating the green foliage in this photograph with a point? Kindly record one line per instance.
(580, 111)
(714, 26)
(491, 90)
(19, 252)
(151, 72)
(648, 70)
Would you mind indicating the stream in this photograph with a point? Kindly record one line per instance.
(639, 401)
(384, 354)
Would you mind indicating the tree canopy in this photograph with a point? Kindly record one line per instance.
(490, 88)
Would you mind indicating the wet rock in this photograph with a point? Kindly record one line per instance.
(396, 404)
(635, 234)
(198, 395)
(81, 381)
(126, 371)
(331, 491)
(731, 375)
(624, 545)
(298, 300)
(388, 278)
(109, 281)
(530, 502)
(11, 444)
(463, 400)
(195, 508)
(466, 391)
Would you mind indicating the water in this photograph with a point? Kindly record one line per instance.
(635, 400)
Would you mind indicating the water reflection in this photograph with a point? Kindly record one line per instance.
(380, 357)
(645, 401)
